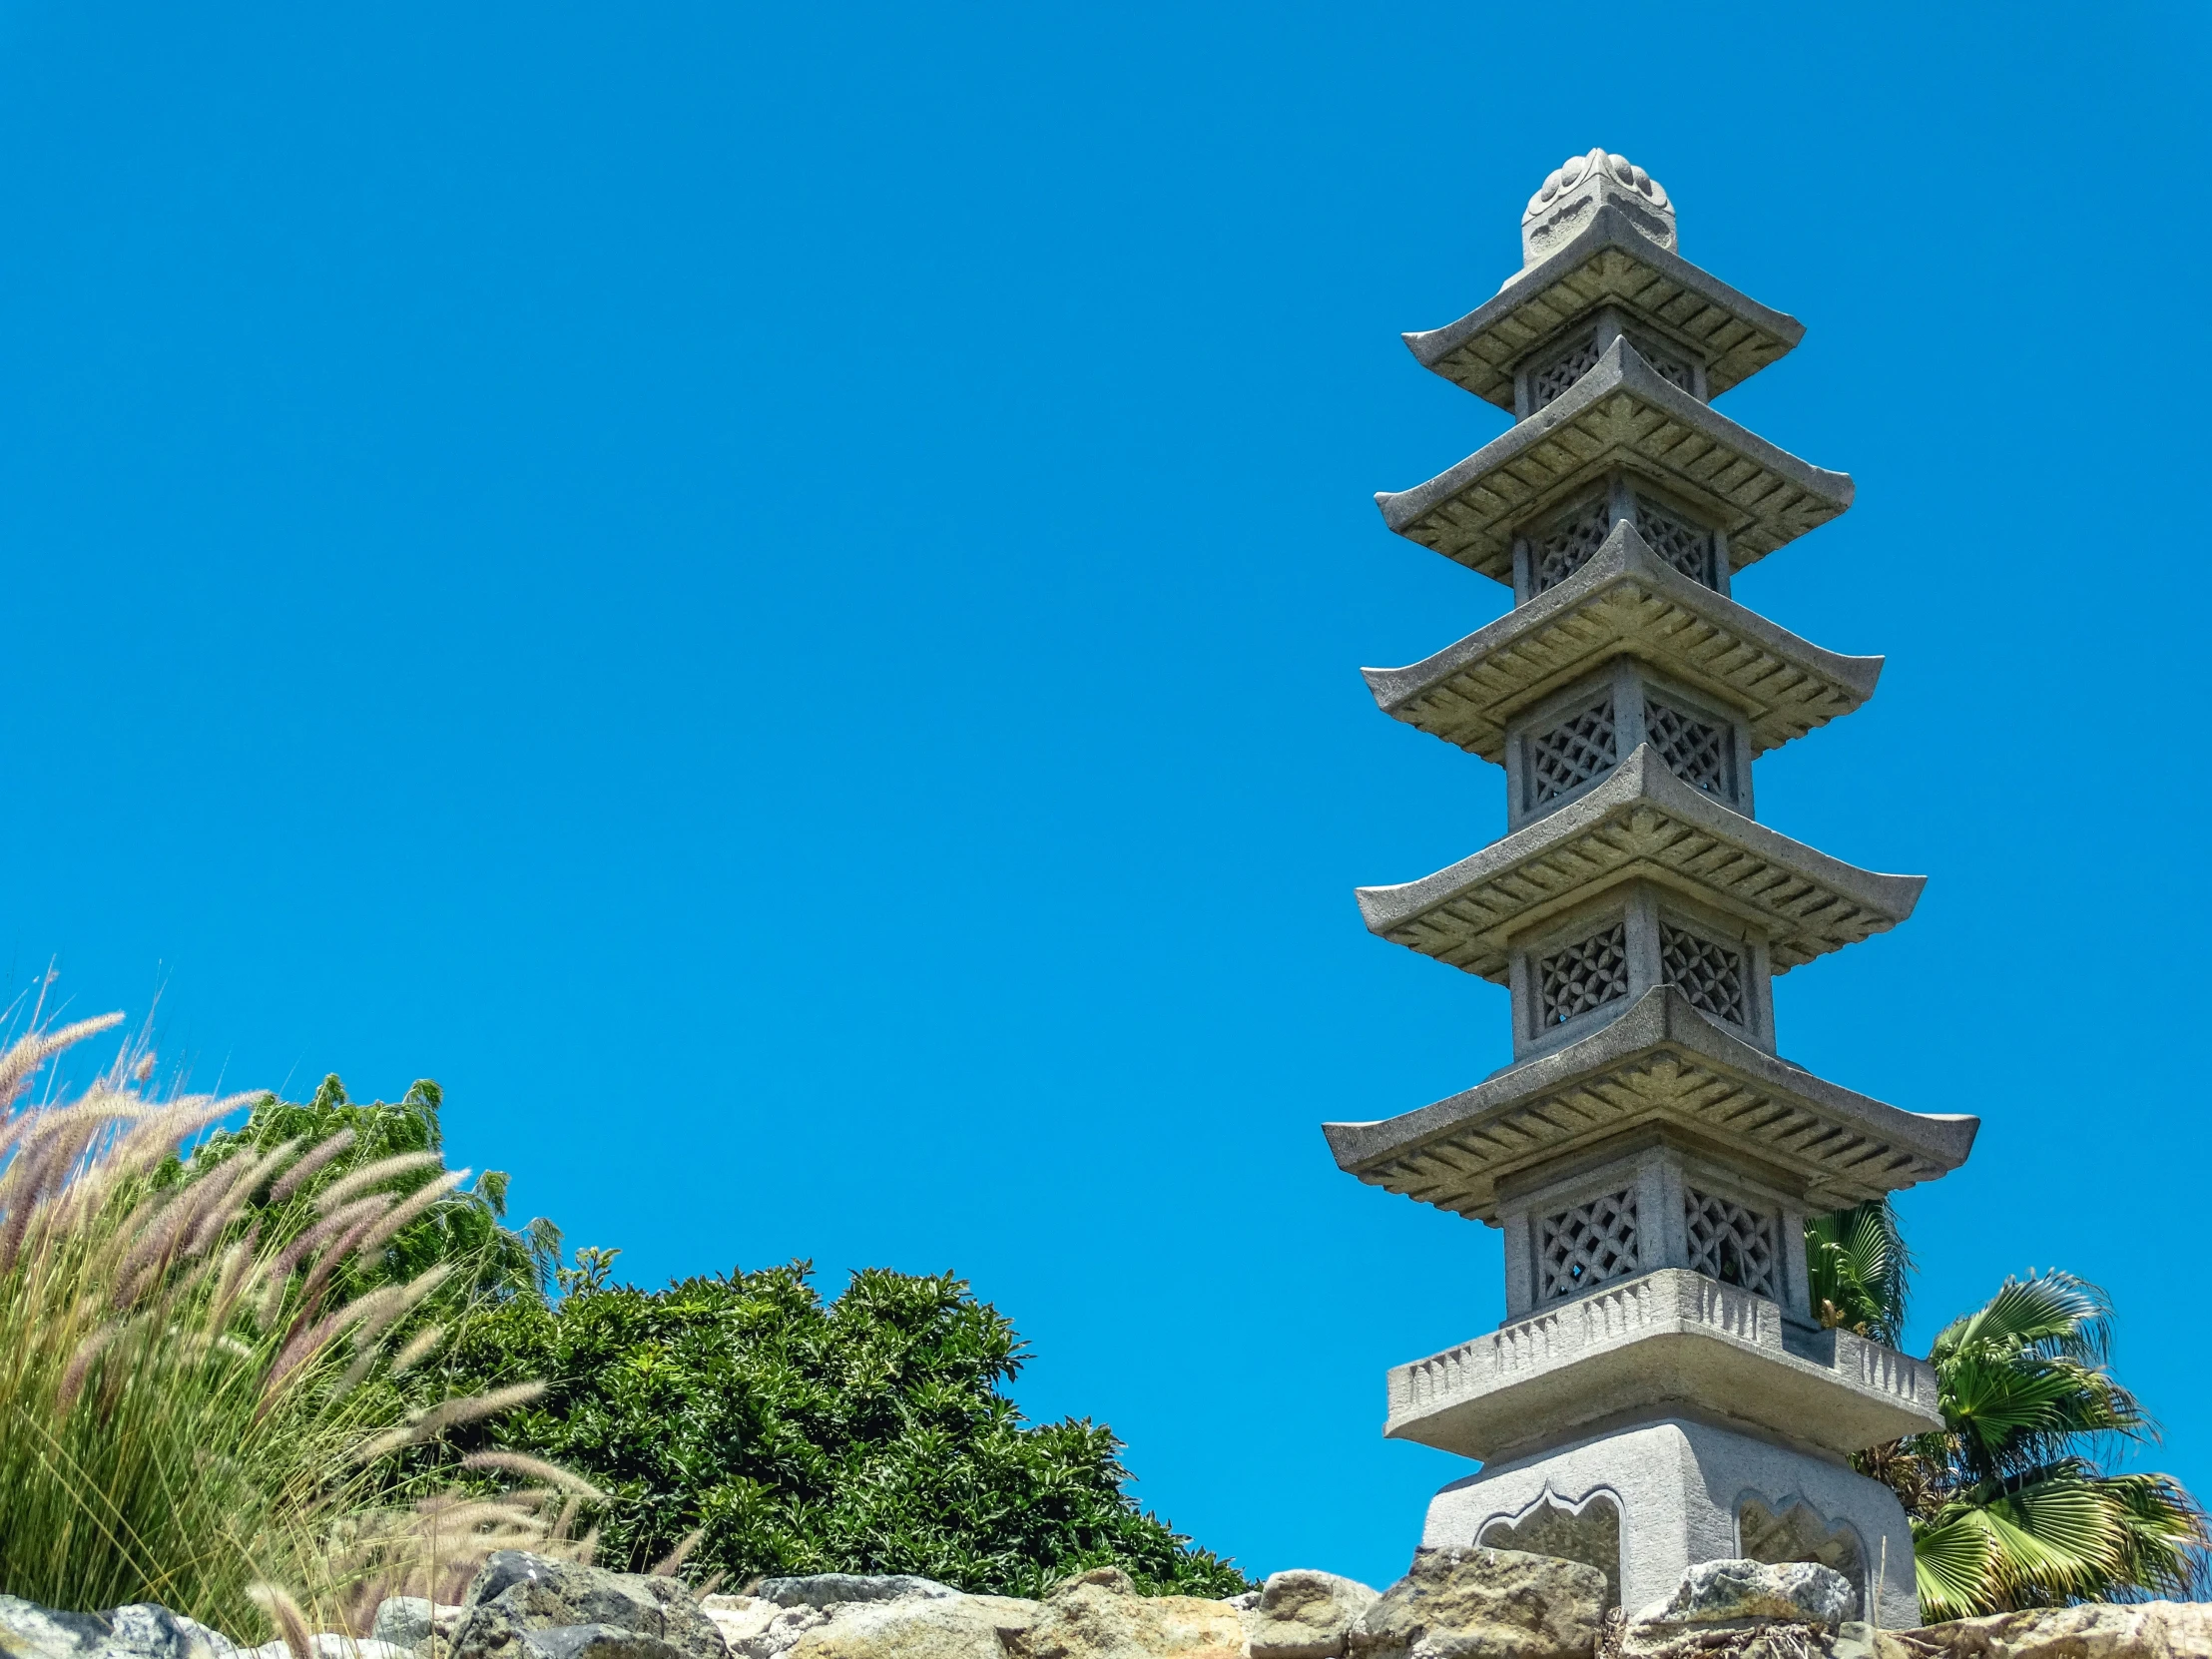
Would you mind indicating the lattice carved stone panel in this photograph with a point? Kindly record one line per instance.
(1711, 975)
(1564, 757)
(1551, 378)
(1588, 1244)
(1732, 1244)
(1696, 751)
(1682, 542)
(1582, 976)
(1664, 363)
(1557, 552)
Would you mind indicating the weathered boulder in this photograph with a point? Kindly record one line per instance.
(1099, 1615)
(913, 1627)
(738, 1619)
(599, 1641)
(1302, 1614)
(1747, 1592)
(832, 1589)
(763, 1630)
(2094, 1630)
(406, 1622)
(841, 1616)
(1485, 1604)
(140, 1631)
(517, 1601)
(146, 1631)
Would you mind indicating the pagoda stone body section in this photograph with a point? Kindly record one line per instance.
(1661, 1391)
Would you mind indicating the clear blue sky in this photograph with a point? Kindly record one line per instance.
(773, 596)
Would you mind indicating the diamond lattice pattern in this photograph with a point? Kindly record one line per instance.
(1554, 378)
(1583, 976)
(1588, 1244)
(1564, 757)
(1560, 551)
(1684, 544)
(1710, 976)
(1731, 1242)
(1695, 751)
(1667, 366)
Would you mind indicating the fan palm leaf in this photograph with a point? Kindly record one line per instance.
(2011, 1503)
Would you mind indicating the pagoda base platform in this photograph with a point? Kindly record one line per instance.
(1643, 1502)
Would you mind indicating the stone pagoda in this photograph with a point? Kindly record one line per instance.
(1660, 1393)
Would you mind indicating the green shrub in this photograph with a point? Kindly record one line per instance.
(797, 1435)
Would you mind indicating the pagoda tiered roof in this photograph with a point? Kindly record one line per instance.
(1641, 822)
(1659, 1065)
(1624, 600)
(1608, 263)
(1622, 412)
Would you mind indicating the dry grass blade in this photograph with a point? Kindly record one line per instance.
(285, 1614)
(306, 1170)
(515, 1462)
(27, 1053)
(372, 1174)
(420, 1346)
(376, 1237)
(179, 1416)
(666, 1565)
(452, 1413)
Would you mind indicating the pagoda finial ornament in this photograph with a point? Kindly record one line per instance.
(1568, 201)
(1661, 1391)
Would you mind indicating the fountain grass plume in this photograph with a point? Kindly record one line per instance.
(188, 1414)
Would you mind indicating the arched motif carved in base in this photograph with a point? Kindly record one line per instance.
(1798, 1534)
(1588, 1531)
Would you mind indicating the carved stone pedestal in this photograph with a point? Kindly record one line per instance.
(1642, 1503)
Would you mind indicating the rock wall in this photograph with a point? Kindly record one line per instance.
(1453, 1604)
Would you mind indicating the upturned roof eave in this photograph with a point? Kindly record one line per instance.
(1438, 349)
(1889, 1148)
(1620, 371)
(1639, 783)
(1514, 643)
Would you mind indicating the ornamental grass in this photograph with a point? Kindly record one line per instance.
(190, 1414)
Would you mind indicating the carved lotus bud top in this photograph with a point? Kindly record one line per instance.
(1570, 198)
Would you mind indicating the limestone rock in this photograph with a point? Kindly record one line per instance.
(517, 1596)
(405, 1621)
(1742, 1593)
(911, 1627)
(1464, 1600)
(738, 1619)
(2094, 1630)
(1099, 1615)
(829, 1589)
(766, 1638)
(839, 1616)
(140, 1631)
(596, 1641)
(145, 1631)
(1302, 1614)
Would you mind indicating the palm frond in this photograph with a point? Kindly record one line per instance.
(1861, 1271)
(1950, 1565)
(2053, 1315)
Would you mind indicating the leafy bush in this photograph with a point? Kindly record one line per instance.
(460, 1230)
(797, 1435)
(193, 1410)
